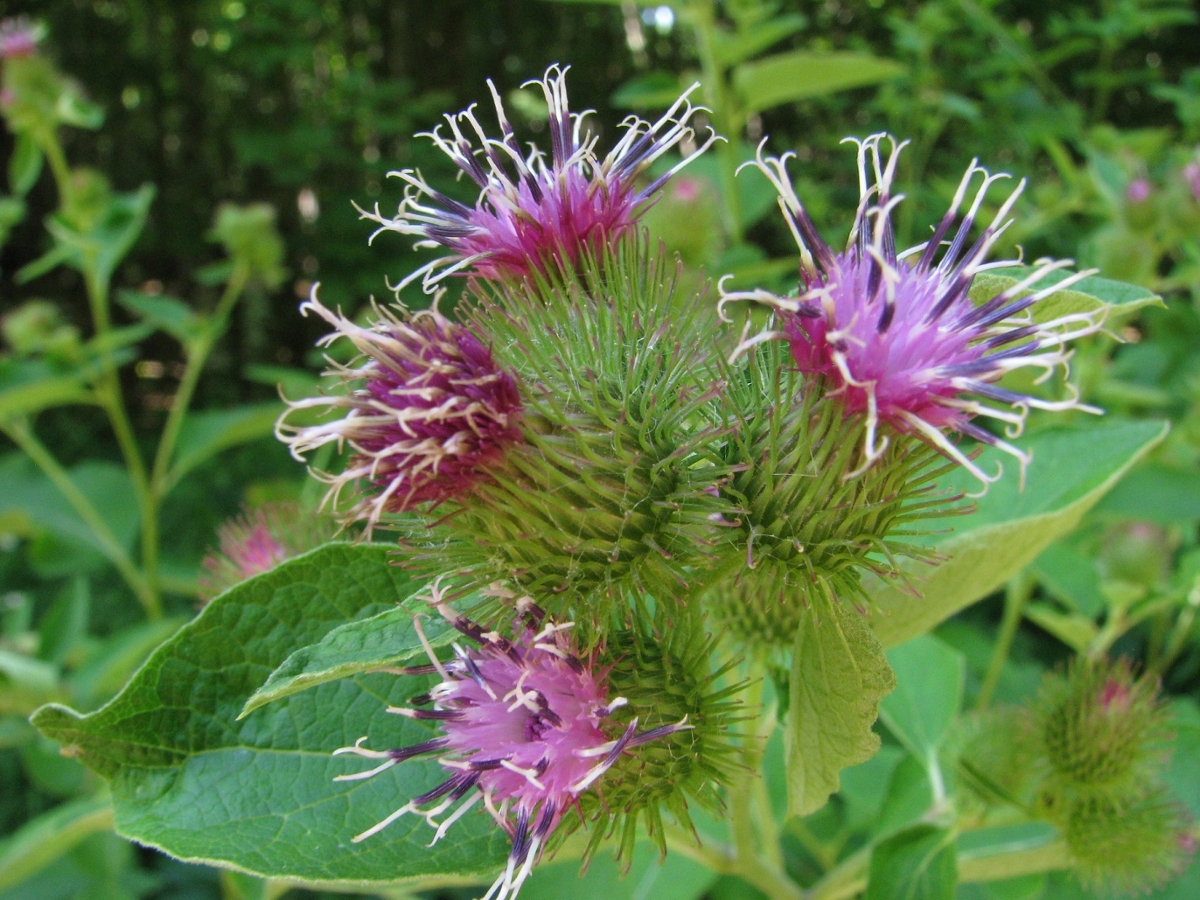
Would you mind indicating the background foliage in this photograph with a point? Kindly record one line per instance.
(306, 104)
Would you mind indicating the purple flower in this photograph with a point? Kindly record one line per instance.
(428, 411)
(19, 37)
(523, 729)
(257, 541)
(1191, 176)
(896, 334)
(533, 212)
(1138, 191)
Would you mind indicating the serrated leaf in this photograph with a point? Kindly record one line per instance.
(929, 686)
(388, 639)
(25, 165)
(169, 314)
(920, 863)
(205, 434)
(48, 836)
(1121, 299)
(258, 794)
(839, 674)
(801, 74)
(1071, 470)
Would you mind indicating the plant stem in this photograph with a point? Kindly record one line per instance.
(23, 437)
(197, 352)
(1016, 595)
(849, 879)
(725, 118)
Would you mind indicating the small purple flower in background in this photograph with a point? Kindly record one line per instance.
(532, 211)
(1138, 191)
(19, 37)
(428, 411)
(257, 541)
(522, 724)
(896, 332)
(1191, 175)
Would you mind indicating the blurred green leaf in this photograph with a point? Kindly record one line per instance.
(25, 683)
(1074, 630)
(648, 878)
(205, 434)
(919, 863)
(64, 626)
(864, 787)
(169, 314)
(839, 674)
(68, 546)
(45, 838)
(1093, 292)
(365, 645)
(738, 46)
(28, 386)
(801, 74)
(1155, 493)
(72, 109)
(258, 794)
(1070, 575)
(293, 382)
(25, 165)
(930, 677)
(654, 90)
(101, 247)
(1071, 470)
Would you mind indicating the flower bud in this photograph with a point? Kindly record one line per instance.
(611, 491)
(1127, 846)
(807, 519)
(1102, 730)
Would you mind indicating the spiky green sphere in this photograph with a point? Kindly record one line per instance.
(1126, 847)
(663, 665)
(807, 519)
(612, 489)
(1101, 729)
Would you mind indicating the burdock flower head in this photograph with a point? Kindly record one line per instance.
(19, 37)
(896, 333)
(427, 411)
(523, 724)
(257, 541)
(531, 210)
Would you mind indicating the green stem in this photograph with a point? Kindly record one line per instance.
(197, 352)
(725, 118)
(849, 879)
(23, 437)
(1016, 595)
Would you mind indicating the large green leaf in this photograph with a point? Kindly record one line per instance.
(364, 645)
(258, 794)
(170, 314)
(732, 47)
(1071, 470)
(839, 675)
(799, 75)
